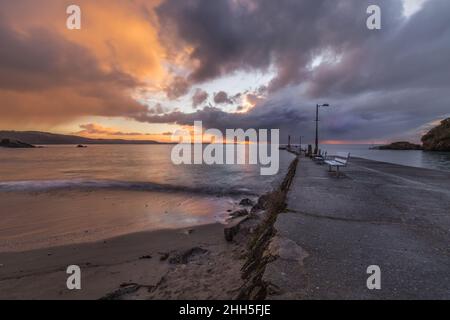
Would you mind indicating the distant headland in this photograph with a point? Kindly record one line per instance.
(25, 139)
(437, 139)
(400, 145)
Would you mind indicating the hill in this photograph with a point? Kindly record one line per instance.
(37, 138)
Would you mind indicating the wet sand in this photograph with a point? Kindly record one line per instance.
(55, 218)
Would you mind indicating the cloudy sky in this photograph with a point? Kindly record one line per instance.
(143, 68)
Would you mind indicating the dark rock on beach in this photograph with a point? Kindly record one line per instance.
(185, 257)
(401, 145)
(246, 202)
(262, 202)
(232, 228)
(9, 143)
(239, 213)
(164, 256)
(438, 138)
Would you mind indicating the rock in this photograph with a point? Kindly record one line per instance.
(185, 257)
(164, 256)
(239, 213)
(401, 145)
(145, 257)
(263, 201)
(246, 202)
(232, 229)
(438, 138)
(8, 143)
(188, 231)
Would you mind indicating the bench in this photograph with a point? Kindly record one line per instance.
(339, 160)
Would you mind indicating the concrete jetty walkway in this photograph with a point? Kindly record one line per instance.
(392, 216)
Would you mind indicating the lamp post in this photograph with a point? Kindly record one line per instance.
(316, 149)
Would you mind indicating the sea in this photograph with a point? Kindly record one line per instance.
(60, 194)
(131, 167)
(411, 158)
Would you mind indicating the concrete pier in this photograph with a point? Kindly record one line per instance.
(392, 216)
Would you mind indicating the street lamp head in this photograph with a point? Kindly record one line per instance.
(325, 105)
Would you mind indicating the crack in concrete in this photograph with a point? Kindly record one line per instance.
(349, 219)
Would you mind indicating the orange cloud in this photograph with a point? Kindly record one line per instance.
(97, 129)
(94, 130)
(51, 75)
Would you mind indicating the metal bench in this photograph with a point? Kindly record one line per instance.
(339, 160)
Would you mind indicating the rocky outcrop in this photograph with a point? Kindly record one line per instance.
(438, 138)
(401, 145)
(9, 143)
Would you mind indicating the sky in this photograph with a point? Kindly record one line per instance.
(141, 69)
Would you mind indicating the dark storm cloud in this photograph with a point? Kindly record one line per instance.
(199, 97)
(231, 35)
(221, 97)
(178, 88)
(415, 54)
(382, 84)
(273, 115)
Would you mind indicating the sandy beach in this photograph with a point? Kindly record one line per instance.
(140, 265)
(118, 260)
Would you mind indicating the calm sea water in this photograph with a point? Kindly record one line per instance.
(60, 195)
(140, 167)
(413, 158)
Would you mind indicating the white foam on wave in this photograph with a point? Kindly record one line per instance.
(45, 185)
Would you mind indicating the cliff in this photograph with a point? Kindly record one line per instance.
(438, 138)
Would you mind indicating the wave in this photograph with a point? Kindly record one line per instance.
(82, 184)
